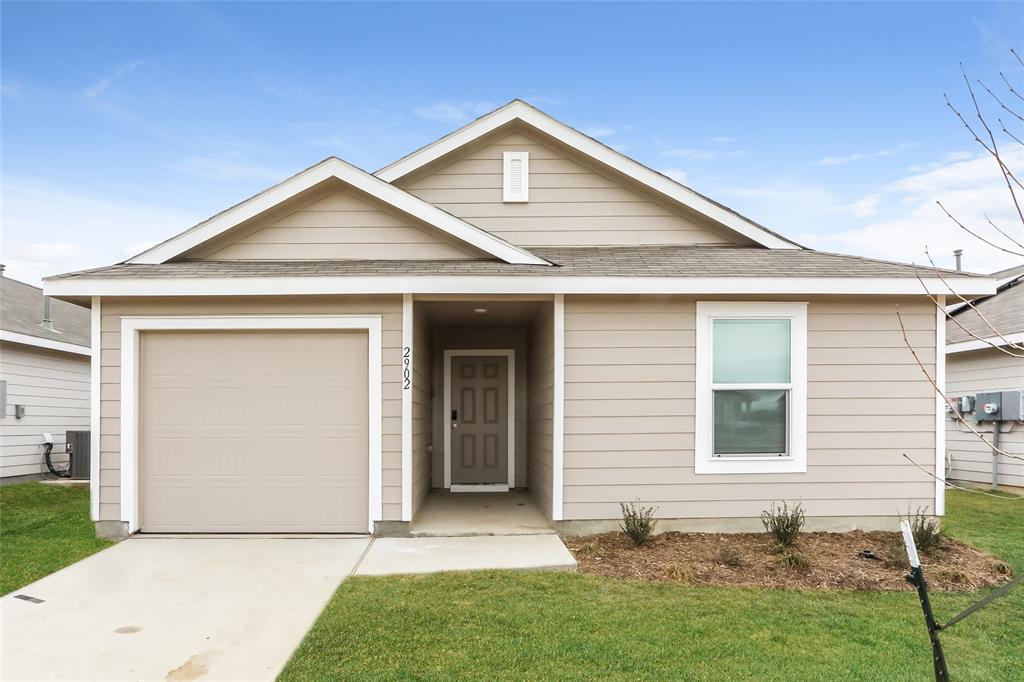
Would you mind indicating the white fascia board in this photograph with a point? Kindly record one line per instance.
(980, 344)
(355, 177)
(436, 284)
(39, 342)
(592, 148)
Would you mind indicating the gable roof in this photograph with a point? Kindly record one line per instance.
(518, 110)
(333, 167)
(21, 317)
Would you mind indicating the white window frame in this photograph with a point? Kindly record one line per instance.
(507, 195)
(796, 460)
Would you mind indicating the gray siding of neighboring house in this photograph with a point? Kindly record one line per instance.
(54, 388)
(969, 458)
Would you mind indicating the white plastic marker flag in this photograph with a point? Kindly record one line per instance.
(908, 540)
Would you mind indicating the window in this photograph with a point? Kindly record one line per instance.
(751, 402)
(516, 177)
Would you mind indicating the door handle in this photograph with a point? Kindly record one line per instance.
(455, 419)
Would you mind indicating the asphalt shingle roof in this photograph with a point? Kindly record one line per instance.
(21, 311)
(1003, 311)
(629, 261)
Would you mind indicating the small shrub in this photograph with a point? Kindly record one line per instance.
(586, 549)
(1002, 568)
(730, 556)
(677, 573)
(784, 523)
(637, 522)
(926, 530)
(794, 560)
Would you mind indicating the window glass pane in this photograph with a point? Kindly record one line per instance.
(750, 422)
(750, 351)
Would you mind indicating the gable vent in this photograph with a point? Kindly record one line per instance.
(516, 186)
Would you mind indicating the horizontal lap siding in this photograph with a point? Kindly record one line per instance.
(970, 458)
(422, 403)
(629, 406)
(541, 404)
(340, 225)
(54, 388)
(570, 203)
(388, 307)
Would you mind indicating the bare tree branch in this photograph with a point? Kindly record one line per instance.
(1013, 498)
(997, 229)
(938, 306)
(1009, 134)
(1000, 102)
(975, 234)
(949, 401)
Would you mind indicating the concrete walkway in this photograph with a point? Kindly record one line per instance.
(395, 556)
(174, 609)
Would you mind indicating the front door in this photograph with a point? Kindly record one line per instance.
(479, 420)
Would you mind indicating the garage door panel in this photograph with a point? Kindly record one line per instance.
(257, 431)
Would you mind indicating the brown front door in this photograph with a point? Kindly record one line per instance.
(479, 419)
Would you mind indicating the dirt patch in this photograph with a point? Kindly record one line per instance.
(816, 561)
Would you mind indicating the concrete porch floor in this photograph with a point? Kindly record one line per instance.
(446, 514)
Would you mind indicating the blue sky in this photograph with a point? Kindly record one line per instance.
(124, 123)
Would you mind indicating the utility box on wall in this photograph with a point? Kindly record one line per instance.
(1000, 406)
(78, 444)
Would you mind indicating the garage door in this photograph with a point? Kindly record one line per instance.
(254, 432)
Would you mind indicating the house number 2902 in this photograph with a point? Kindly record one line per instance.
(406, 368)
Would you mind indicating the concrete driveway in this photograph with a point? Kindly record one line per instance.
(174, 609)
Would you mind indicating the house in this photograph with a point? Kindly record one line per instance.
(514, 306)
(44, 377)
(984, 356)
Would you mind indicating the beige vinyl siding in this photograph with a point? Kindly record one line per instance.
(388, 307)
(571, 203)
(629, 412)
(422, 402)
(541, 377)
(54, 388)
(970, 459)
(462, 338)
(340, 225)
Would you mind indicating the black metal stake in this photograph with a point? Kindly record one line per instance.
(916, 577)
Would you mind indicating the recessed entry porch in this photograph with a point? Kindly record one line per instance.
(478, 387)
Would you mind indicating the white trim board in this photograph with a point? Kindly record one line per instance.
(95, 405)
(980, 344)
(39, 342)
(133, 326)
(796, 459)
(518, 110)
(334, 167)
(940, 408)
(408, 358)
(510, 355)
(558, 411)
(71, 287)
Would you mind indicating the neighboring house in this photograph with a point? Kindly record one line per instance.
(984, 354)
(515, 305)
(44, 377)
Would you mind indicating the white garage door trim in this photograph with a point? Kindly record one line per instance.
(131, 326)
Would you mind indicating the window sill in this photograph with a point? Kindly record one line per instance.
(750, 465)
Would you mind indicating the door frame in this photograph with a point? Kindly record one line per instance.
(133, 325)
(510, 354)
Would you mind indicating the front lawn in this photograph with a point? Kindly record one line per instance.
(495, 625)
(42, 528)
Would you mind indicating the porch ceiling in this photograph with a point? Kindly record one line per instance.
(463, 313)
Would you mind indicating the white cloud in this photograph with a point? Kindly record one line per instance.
(226, 166)
(866, 205)
(94, 91)
(722, 139)
(863, 156)
(676, 174)
(49, 230)
(969, 188)
(453, 112)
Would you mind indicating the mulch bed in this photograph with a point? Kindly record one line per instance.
(751, 559)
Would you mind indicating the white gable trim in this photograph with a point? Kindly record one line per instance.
(522, 111)
(356, 177)
(981, 343)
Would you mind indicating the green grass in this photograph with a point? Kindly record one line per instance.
(540, 626)
(42, 528)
